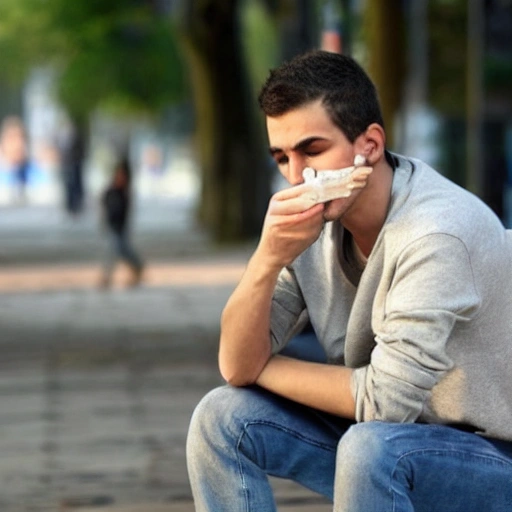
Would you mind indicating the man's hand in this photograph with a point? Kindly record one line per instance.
(291, 226)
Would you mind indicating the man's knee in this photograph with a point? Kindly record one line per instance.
(366, 462)
(223, 413)
(208, 429)
(211, 413)
(364, 444)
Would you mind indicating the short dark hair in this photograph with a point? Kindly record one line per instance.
(346, 91)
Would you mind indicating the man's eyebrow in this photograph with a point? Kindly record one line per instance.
(300, 145)
(306, 142)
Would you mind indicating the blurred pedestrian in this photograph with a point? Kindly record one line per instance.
(14, 152)
(72, 145)
(115, 205)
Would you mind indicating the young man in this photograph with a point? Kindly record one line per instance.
(407, 283)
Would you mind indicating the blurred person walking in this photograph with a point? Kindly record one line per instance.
(116, 206)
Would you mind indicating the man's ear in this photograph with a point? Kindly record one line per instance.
(372, 143)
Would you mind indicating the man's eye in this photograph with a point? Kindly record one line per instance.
(282, 160)
(312, 152)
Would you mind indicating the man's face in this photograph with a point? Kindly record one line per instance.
(306, 137)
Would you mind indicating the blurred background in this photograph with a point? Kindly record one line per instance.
(172, 85)
(99, 376)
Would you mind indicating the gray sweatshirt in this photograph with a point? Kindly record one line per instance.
(427, 324)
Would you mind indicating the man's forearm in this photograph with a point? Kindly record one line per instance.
(321, 386)
(245, 325)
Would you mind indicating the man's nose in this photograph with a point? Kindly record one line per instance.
(295, 168)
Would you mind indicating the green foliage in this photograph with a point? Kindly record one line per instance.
(260, 41)
(116, 54)
(18, 37)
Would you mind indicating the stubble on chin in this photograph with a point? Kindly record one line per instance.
(334, 210)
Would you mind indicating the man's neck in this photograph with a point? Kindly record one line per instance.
(368, 214)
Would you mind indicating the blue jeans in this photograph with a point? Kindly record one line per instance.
(238, 436)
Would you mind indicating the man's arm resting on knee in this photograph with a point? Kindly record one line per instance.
(321, 386)
(288, 230)
(245, 345)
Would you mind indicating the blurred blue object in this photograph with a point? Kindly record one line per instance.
(305, 346)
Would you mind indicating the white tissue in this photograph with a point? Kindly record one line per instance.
(327, 185)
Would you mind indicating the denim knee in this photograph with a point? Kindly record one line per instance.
(209, 431)
(212, 415)
(366, 468)
(362, 447)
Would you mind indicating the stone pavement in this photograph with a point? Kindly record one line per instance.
(97, 387)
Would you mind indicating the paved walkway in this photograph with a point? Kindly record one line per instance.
(35, 279)
(97, 387)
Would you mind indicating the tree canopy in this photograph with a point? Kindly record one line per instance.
(119, 54)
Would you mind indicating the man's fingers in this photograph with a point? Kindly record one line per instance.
(294, 199)
(294, 205)
(291, 192)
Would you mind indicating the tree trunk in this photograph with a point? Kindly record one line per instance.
(234, 166)
(384, 34)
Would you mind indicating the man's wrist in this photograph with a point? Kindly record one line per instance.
(266, 263)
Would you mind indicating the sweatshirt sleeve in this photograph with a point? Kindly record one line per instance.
(432, 289)
(289, 314)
